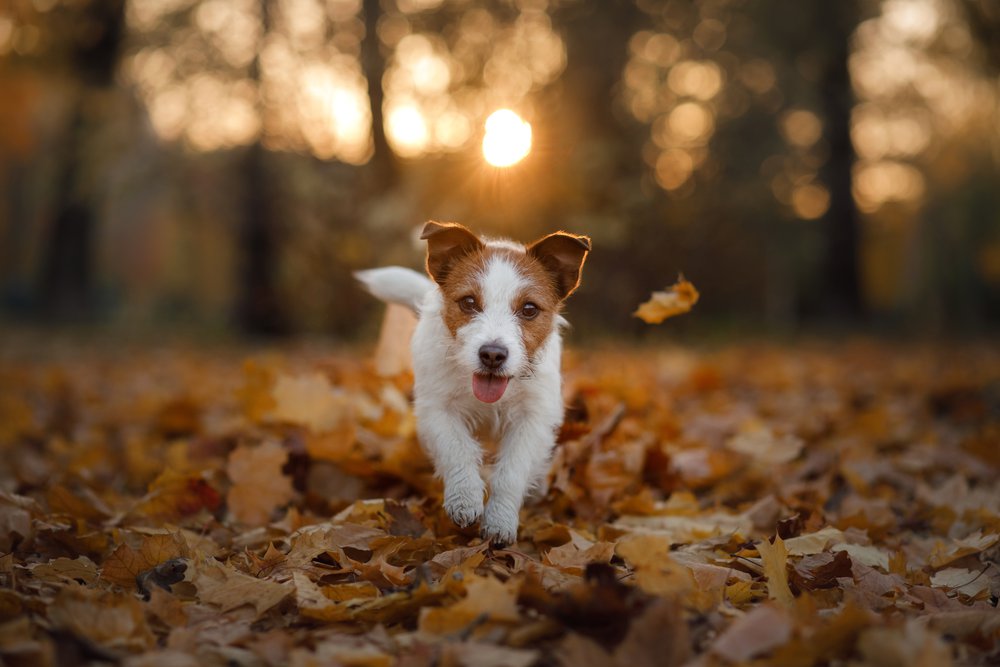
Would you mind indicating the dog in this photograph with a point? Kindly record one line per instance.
(486, 354)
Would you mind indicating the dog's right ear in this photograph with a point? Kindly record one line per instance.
(447, 242)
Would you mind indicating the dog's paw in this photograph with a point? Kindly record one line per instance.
(463, 504)
(500, 524)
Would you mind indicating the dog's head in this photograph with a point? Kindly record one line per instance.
(501, 299)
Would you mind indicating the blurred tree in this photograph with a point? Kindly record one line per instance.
(384, 165)
(260, 309)
(94, 32)
(835, 25)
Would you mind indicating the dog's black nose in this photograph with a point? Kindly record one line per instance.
(492, 356)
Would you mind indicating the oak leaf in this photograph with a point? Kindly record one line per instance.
(775, 561)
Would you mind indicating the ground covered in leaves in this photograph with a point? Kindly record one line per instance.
(810, 505)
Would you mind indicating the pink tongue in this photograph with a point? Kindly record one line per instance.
(488, 388)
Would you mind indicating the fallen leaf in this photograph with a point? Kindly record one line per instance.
(680, 298)
(227, 588)
(111, 620)
(757, 632)
(486, 601)
(125, 564)
(775, 560)
(259, 487)
(310, 400)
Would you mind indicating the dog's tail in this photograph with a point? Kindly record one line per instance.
(394, 284)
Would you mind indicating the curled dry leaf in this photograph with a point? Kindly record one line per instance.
(677, 300)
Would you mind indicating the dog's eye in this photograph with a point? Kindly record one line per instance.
(468, 304)
(529, 311)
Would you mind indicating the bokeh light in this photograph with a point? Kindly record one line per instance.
(507, 139)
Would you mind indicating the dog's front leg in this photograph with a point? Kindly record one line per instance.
(457, 459)
(524, 454)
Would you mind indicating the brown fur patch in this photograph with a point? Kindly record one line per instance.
(464, 280)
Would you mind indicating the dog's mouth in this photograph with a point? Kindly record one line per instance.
(487, 387)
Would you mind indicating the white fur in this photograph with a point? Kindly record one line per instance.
(394, 284)
(449, 417)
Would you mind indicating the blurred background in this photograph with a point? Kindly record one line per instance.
(224, 165)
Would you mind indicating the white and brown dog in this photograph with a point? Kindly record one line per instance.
(486, 361)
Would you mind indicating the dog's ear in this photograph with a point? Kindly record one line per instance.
(447, 242)
(562, 255)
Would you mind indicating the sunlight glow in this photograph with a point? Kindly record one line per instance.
(407, 129)
(507, 140)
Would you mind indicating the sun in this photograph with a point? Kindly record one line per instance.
(507, 140)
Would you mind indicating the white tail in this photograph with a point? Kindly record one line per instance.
(394, 284)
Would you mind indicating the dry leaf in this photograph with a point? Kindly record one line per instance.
(759, 631)
(680, 298)
(259, 487)
(775, 559)
(310, 400)
(227, 588)
(114, 621)
(125, 564)
(486, 600)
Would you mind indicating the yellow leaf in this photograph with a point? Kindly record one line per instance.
(258, 485)
(680, 298)
(775, 559)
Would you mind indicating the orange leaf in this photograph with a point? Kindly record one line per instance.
(258, 484)
(680, 298)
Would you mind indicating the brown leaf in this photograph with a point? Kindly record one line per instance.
(775, 560)
(680, 298)
(821, 570)
(259, 487)
(111, 620)
(125, 564)
(486, 601)
(227, 588)
(759, 631)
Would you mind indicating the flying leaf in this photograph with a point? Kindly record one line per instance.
(258, 483)
(677, 300)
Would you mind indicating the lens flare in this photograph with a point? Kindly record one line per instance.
(507, 140)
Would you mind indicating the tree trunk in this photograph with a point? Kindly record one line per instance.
(384, 164)
(66, 280)
(260, 310)
(841, 224)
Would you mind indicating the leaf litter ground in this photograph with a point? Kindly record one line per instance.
(750, 505)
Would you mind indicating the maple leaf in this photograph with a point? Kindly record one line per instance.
(259, 486)
(679, 299)
(125, 564)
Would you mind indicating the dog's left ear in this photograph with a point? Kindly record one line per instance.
(447, 242)
(562, 255)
